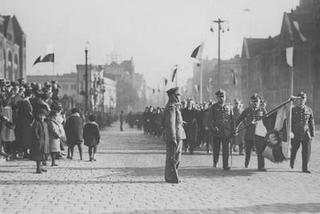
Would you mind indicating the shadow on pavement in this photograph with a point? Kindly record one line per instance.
(264, 208)
(75, 182)
(132, 152)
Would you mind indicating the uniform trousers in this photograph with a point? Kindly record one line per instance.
(216, 144)
(305, 152)
(259, 143)
(173, 158)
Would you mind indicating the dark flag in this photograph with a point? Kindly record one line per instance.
(48, 58)
(154, 90)
(158, 90)
(37, 60)
(196, 54)
(174, 73)
(165, 81)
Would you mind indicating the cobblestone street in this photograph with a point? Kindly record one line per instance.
(128, 177)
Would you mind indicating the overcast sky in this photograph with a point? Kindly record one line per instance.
(157, 33)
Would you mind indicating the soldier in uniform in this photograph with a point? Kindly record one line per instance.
(237, 140)
(221, 125)
(174, 134)
(249, 116)
(303, 130)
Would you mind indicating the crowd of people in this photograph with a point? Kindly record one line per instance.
(34, 124)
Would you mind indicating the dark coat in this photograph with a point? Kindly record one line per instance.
(23, 124)
(74, 130)
(91, 134)
(38, 140)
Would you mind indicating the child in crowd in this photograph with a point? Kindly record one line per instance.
(91, 136)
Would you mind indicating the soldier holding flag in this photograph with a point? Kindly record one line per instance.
(249, 117)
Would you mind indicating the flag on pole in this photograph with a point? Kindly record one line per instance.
(48, 58)
(273, 130)
(296, 25)
(289, 56)
(154, 90)
(197, 53)
(174, 73)
(37, 60)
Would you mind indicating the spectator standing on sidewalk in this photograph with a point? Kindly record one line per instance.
(38, 142)
(174, 134)
(74, 132)
(91, 136)
(55, 134)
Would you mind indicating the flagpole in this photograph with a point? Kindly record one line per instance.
(289, 121)
(201, 80)
(177, 78)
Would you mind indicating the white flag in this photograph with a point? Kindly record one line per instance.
(296, 25)
(289, 55)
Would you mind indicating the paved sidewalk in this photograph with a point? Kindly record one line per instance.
(128, 178)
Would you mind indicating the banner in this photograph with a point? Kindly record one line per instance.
(289, 56)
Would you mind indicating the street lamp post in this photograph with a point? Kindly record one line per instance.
(219, 22)
(86, 78)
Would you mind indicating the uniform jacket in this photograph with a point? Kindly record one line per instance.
(302, 123)
(221, 120)
(247, 116)
(173, 123)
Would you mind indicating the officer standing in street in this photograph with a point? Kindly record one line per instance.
(174, 134)
(221, 125)
(303, 130)
(249, 117)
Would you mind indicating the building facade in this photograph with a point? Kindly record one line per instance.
(12, 49)
(265, 69)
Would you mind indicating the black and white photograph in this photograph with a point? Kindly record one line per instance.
(159, 106)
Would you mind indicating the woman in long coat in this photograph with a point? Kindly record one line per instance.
(74, 132)
(91, 136)
(55, 134)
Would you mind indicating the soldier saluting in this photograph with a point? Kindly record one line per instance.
(221, 124)
(303, 130)
(174, 134)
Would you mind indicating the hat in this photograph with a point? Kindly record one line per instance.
(221, 93)
(174, 91)
(255, 97)
(302, 95)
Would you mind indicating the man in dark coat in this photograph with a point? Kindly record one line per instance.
(190, 126)
(74, 132)
(221, 124)
(174, 134)
(303, 130)
(121, 120)
(249, 117)
(23, 122)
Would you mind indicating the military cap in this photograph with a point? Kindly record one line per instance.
(302, 95)
(220, 93)
(174, 90)
(255, 97)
